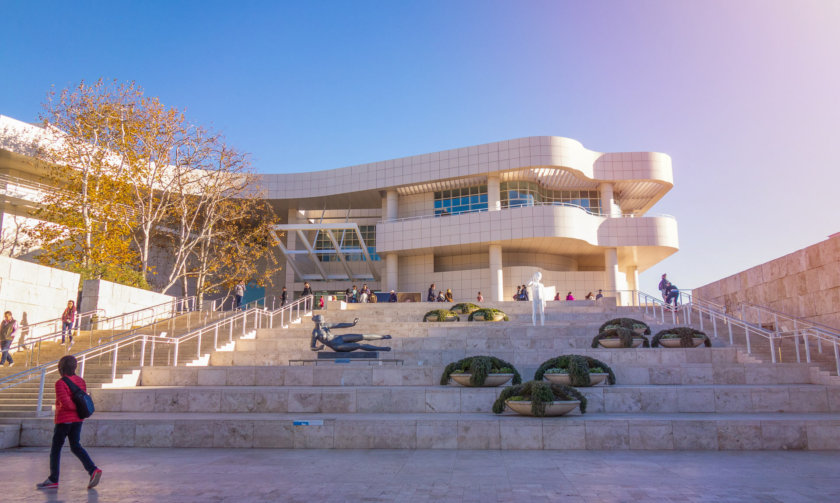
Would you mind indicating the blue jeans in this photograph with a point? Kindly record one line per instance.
(4, 346)
(67, 328)
(73, 431)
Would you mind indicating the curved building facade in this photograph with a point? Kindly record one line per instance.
(481, 218)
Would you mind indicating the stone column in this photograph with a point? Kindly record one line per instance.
(494, 193)
(391, 205)
(391, 272)
(608, 206)
(496, 278)
(611, 269)
(291, 242)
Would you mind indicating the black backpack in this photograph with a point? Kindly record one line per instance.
(83, 401)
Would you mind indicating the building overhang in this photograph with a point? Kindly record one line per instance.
(337, 250)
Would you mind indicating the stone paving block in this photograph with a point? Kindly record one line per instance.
(739, 435)
(314, 437)
(273, 435)
(171, 400)
(436, 434)
(696, 400)
(822, 435)
(607, 435)
(154, 434)
(783, 435)
(525, 433)
(114, 434)
(479, 434)
(695, 435)
(563, 433)
(200, 400)
(212, 377)
(233, 433)
(235, 400)
(651, 435)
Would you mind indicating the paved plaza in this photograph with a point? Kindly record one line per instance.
(208, 475)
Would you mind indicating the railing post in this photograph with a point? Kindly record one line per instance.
(729, 324)
(114, 363)
(82, 369)
(41, 389)
(244, 322)
(747, 332)
(215, 337)
(177, 344)
(143, 351)
(796, 345)
(714, 325)
(231, 330)
(837, 356)
(700, 315)
(773, 348)
(807, 348)
(198, 347)
(152, 355)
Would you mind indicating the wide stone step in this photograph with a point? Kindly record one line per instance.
(815, 431)
(459, 399)
(429, 375)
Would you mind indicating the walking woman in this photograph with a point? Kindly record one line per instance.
(68, 424)
(8, 330)
(68, 317)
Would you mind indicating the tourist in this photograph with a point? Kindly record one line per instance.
(354, 294)
(557, 296)
(363, 295)
(431, 295)
(283, 295)
(516, 296)
(524, 293)
(321, 302)
(600, 295)
(569, 296)
(307, 289)
(663, 284)
(590, 296)
(68, 424)
(238, 293)
(672, 293)
(68, 317)
(8, 330)
(441, 297)
(479, 298)
(392, 297)
(372, 298)
(347, 295)
(448, 296)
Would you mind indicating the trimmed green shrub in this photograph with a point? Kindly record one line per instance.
(628, 323)
(577, 366)
(487, 312)
(480, 367)
(540, 394)
(625, 334)
(684, 334)
(441, 315)
(464, 308)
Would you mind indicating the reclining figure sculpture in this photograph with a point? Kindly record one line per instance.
(342, 343)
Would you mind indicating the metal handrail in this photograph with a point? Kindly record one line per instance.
(26, 337)
(132, 339)
(570, 205)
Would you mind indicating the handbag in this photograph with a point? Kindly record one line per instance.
(82, 400)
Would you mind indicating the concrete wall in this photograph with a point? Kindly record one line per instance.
(805, 284)
(117, 299)
(33, 292)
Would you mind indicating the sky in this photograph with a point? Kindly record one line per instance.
(743, 95)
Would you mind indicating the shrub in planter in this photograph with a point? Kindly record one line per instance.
(488, 314)
(479, 367)
(686, 335)
(441, 315)
(640, 327)
(625, 335)
(578, 367)
(464, 308)
(540, 394)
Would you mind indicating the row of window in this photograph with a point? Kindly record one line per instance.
(520, 193)
(463, 200)
(348, 239)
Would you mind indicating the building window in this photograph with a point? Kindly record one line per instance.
(348, 239)
(520, 193)
(463, 200)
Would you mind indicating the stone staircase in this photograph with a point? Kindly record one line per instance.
(22, 400)
(700, 398)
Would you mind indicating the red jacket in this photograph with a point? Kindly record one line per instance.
(65, 409)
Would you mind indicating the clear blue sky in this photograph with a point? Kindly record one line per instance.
(744, 95)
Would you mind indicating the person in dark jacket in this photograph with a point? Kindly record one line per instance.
(68, 424)
(307, 289)
(392, 297)
(8, 331)
(283, 296)
(431, 297)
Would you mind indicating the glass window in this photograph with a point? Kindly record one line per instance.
(463, 200)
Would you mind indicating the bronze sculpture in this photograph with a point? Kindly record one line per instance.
(342, 343)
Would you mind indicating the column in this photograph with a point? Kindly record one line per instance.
(291, 242)
(611, 269)
(494, 193)
(391, 205)
(608, 206)
(496, 279)
(391, 270)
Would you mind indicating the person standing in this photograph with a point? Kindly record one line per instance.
(8, 331)
(600, 295)
(392, 297)
(518, 294)
(431, 297)
(448, 296)
(524, 293)
(479, 298)
(238, 293)
(663, 287)
(68, 318)
(68, 425)
(283, 296)
(307, 289)
(569, 296)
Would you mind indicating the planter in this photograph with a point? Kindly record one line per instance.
(675, 342)
(594, 379)
(435, 318)
(495, 317)
(552, 409)
(616, 343)
(491, 381)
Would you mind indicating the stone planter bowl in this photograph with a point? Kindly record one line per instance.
(492, 380)
(675, 343)
(558, 408)
(435, 318)
(616, 343)
(594, 379)
(496, 317)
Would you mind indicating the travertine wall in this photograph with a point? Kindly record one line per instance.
(805, 284)
(117, 299)
(33, 292)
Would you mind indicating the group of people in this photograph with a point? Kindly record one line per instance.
(363, 295)
(440, 296)
(521, 293)
(670, 293)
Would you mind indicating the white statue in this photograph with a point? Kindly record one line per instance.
(538, 298)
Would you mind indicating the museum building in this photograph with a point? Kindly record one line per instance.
(481, 218)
